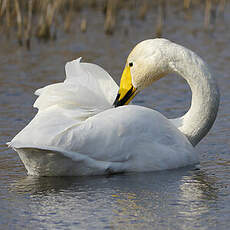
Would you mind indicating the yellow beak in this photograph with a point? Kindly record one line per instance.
(127, 91)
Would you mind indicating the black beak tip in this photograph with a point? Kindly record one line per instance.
(116, 103)
(121, 101)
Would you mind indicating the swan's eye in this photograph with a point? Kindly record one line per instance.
(130, 64)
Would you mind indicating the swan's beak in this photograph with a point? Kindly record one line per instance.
(127, 91)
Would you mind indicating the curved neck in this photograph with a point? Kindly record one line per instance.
(196, 123)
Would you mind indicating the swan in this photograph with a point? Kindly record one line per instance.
(84, 125)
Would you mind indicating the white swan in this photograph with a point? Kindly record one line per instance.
(77, 131)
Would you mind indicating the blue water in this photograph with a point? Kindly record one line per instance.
(186, 198)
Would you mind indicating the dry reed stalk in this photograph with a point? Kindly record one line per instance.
(69, 17)
(208, 6)
(187, 11)
(0, 17)
(187, 4)
(160, 18)
(42, 32)
(143, 10)
(5, 11)
(57, 7)
(19, 22)
(8, 15)
(104, 8)
(77, 5)
(222, 4)
(51, 11)
(3, 8)
(110, 19)
(83, 25)
(54, 35)
(29, 22)
(48, 9)
(93, 4)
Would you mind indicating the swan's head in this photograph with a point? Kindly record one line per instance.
(147, 62)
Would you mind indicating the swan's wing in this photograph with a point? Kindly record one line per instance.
(87, 90)
(141, 138)
(87, 86)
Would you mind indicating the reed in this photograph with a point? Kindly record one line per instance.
(110, 19)
(161, 14)
(29, 22)
(143, 10)
(19, 22)
(187, 4)
(42, 18)
(83, 25)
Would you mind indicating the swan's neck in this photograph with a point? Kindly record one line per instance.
(196, 123)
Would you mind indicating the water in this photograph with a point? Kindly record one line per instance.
(177, 199)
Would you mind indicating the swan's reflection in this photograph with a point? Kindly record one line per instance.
(198, 195)
(176, 199)
(125, 201)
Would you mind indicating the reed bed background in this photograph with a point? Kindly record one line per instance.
(43, 18)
